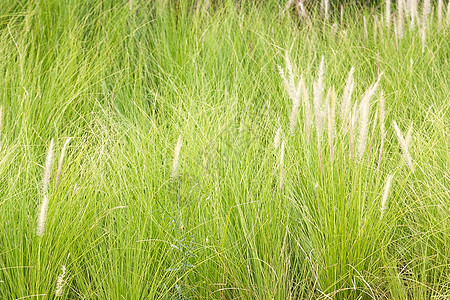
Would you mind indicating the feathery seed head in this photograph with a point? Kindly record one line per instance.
(388, 13)
(295, 107)
(403, 146)
(60, 283)
(40, 229)
(61, 161)
(347, 96)
(318, 91)
(307, 108)
(47, 168)
(176, 157)
(277, 139)
(386, 190)
(364, 118)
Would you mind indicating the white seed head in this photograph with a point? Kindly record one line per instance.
(318, 91)
(448, 14)
(403, 146)
(364, 118)
(347, 96)
(40, 229)
(325, 8)
(386, 190)
(277, 139)
(47, 168)
(366, 32)
(408, 138)
(295, 107)
(61, 161)
(176, 156)
(400, 17)
(59, 291)
(439, 12)
(388, 13)
(307, 108)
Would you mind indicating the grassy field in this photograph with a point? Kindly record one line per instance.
(229, 152)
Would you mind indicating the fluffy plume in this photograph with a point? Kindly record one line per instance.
(277, 139)
(176, 156)
(59, 291)
(295, 106)
(325, 7)
(366, 33)
(426, 9)
(413, 13)
(318, 91)
(386, 190)
(400, 10)
(44, 205)
(307, 108)
(347, 96)
(364, 118)
(352, 127)
(61, 161)
(439, 12)
(403, 146)
(388, 13)
(448, 14)
(408, 138)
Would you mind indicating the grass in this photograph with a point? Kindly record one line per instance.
(233, 216)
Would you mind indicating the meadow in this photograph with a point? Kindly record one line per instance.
(238, 150)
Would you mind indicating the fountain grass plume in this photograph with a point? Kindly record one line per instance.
(325, 8)
(364, 118)
(347, 96)
(403, 146)
(44, 205)
(277, 139)
(408, 137)
(307, 108)
(295, 106)
(440, 10)
(59, 291)
(317, 100)
(413, 13)
(176, 157)
(400, 10)
(386, 190)
(448, 14)
(61, 161)
(426, 9)
(352, 128)
(388, 13)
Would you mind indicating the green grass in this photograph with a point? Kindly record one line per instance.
(126, 84)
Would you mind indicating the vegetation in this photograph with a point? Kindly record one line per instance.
(160, 151)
